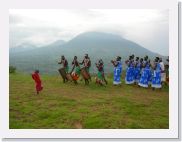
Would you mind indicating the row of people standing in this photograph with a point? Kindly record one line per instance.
(139, 71)
(144, 73)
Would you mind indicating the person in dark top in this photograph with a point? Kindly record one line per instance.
(75, 62)
(167, 71)
(75, 72)
(64, 62)
(100, 75)
(87, 64)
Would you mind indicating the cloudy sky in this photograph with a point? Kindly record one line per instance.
(149, 28)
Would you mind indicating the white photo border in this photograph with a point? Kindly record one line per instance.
(171, 133)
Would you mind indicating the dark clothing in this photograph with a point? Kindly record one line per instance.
(75, 62)
(100, 67)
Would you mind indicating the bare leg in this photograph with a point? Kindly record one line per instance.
(87, 81)
(105, 81)
(75, 82)
(65, 80)
(90, 77)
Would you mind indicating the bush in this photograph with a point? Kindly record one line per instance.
(12, 69)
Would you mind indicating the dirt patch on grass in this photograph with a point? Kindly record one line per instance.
(78, 125)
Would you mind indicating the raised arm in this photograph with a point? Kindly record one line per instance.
(73, 62)
(81, 62)
(96, 65)
(60, 62)
(114, 63)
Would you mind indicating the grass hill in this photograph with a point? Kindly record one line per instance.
(67, 105)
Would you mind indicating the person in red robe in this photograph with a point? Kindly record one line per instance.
(38, 83)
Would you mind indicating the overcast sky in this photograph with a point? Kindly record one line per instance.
(149, 28)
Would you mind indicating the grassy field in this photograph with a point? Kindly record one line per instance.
(78, 106)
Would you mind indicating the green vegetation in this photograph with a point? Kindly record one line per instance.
(12, 69)
(78, 106)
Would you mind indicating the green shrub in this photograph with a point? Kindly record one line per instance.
(12, 69)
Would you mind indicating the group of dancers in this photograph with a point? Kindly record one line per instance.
(139, 70)
(143, 72)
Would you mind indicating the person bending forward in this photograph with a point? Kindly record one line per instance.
(38, 82)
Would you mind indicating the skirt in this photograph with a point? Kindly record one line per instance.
(144, 79)
(129, 79)
(156, 80)
(117, 76)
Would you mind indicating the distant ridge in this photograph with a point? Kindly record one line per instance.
(97, 44)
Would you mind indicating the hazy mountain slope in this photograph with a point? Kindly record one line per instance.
(96, 44)
(21, 48)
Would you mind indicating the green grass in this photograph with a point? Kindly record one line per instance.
(67, 105)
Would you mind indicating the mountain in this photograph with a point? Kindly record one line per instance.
(21, 48)
(97, 44)
(57, 43)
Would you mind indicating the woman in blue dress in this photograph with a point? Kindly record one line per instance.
(156, 80)
(146, 73)
(129, 79)
(137, 70)
(150, 75)
(117, 70)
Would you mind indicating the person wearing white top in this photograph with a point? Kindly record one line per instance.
(163, 74)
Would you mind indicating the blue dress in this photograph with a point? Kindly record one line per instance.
(144, 79)
(117, 73)
(137, 71)
(129, 79)
(156, 80)
(150, 77)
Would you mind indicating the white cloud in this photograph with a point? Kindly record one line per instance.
(148, 28)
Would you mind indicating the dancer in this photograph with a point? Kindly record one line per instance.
(163, 73)
(156, 80)
(146, 73)
(100, 79)
(117, 70)
(65, 63)
(129, 79)
(64, 71)
(75, 72)
(167, 71)
(137, 70)
(87, 64)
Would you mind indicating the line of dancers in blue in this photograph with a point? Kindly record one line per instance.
(139, 71)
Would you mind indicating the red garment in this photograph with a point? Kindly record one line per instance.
(38, 82)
